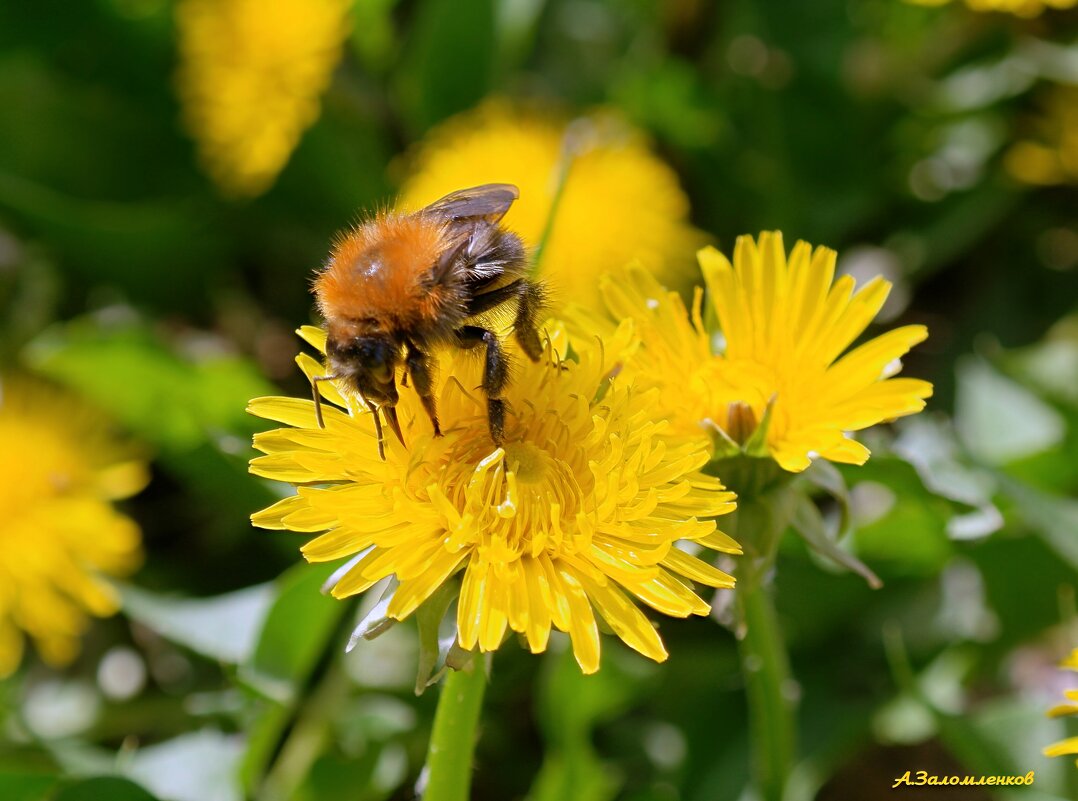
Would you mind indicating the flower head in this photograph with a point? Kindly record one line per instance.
(580, 510)
(619, 202)
(1068, 747)
(250, 78)
(1020, 8)
(59, 534)
(782, 374)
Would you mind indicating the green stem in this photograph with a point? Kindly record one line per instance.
(573, 142)
(452, 741)
(765, 667)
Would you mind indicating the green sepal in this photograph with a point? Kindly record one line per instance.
(376, 622)
(723, 446)
(433, 650)
(757, 443)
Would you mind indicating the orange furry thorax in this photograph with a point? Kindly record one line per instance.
(377, 273)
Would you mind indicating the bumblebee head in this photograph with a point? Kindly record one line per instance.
(367, 361)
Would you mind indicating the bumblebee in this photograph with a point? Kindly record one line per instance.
(401, 285)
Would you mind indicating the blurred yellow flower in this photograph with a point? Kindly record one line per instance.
(1052, 157)
(779, 361)
(250, 78)
(579, 512)
(1020, 8)
(59, 534)
(619, 201)
(1068, 747)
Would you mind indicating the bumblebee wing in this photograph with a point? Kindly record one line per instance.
(489, 202)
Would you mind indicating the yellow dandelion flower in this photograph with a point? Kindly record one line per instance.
(1051, 157)
(1020, 8)
(581, 511)
(59, 534)
(250, 78)
(785, 325)
(619, 202)
(1068, 747)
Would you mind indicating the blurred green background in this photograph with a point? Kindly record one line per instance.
(883, 129)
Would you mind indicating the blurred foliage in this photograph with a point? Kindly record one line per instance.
(879, 128)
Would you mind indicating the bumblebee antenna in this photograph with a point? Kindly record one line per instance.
(378, 430)
(318, 396)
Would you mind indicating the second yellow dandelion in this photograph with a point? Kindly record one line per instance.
(251, 75)
(618, 202)
(59, 533)
(1069, 746)
(784, 326)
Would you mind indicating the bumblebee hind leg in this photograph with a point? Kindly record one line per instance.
(525, 326)
(495, 375)
(529, 297)
(423, 377)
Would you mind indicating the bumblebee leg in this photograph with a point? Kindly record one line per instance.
(389, 409)
(422, 376)
(525, 325)
(495, 375)
(529, 297)
(378, 431)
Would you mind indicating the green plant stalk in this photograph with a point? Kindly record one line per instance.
(765, 667)
(453, 738)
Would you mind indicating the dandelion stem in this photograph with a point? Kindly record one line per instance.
(766, 670)
(572, 143)
(452, 741)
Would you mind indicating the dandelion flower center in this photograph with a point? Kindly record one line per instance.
(530, 464)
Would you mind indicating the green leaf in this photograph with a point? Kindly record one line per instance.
(114, 212)
(1050, 366)
(449, 61)
(674, 100)
(294, 634)
(201, 766)
(911, 537)
(18, 785)
(1055, 519)
(373, 37)
(101, 788)
(225, 627)
(170, 400)
(370, 777)
(809, 523)
(826, 477)
(999, 420)
(928, 443)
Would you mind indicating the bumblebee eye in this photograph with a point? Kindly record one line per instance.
(380, 372)
(377, 358)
